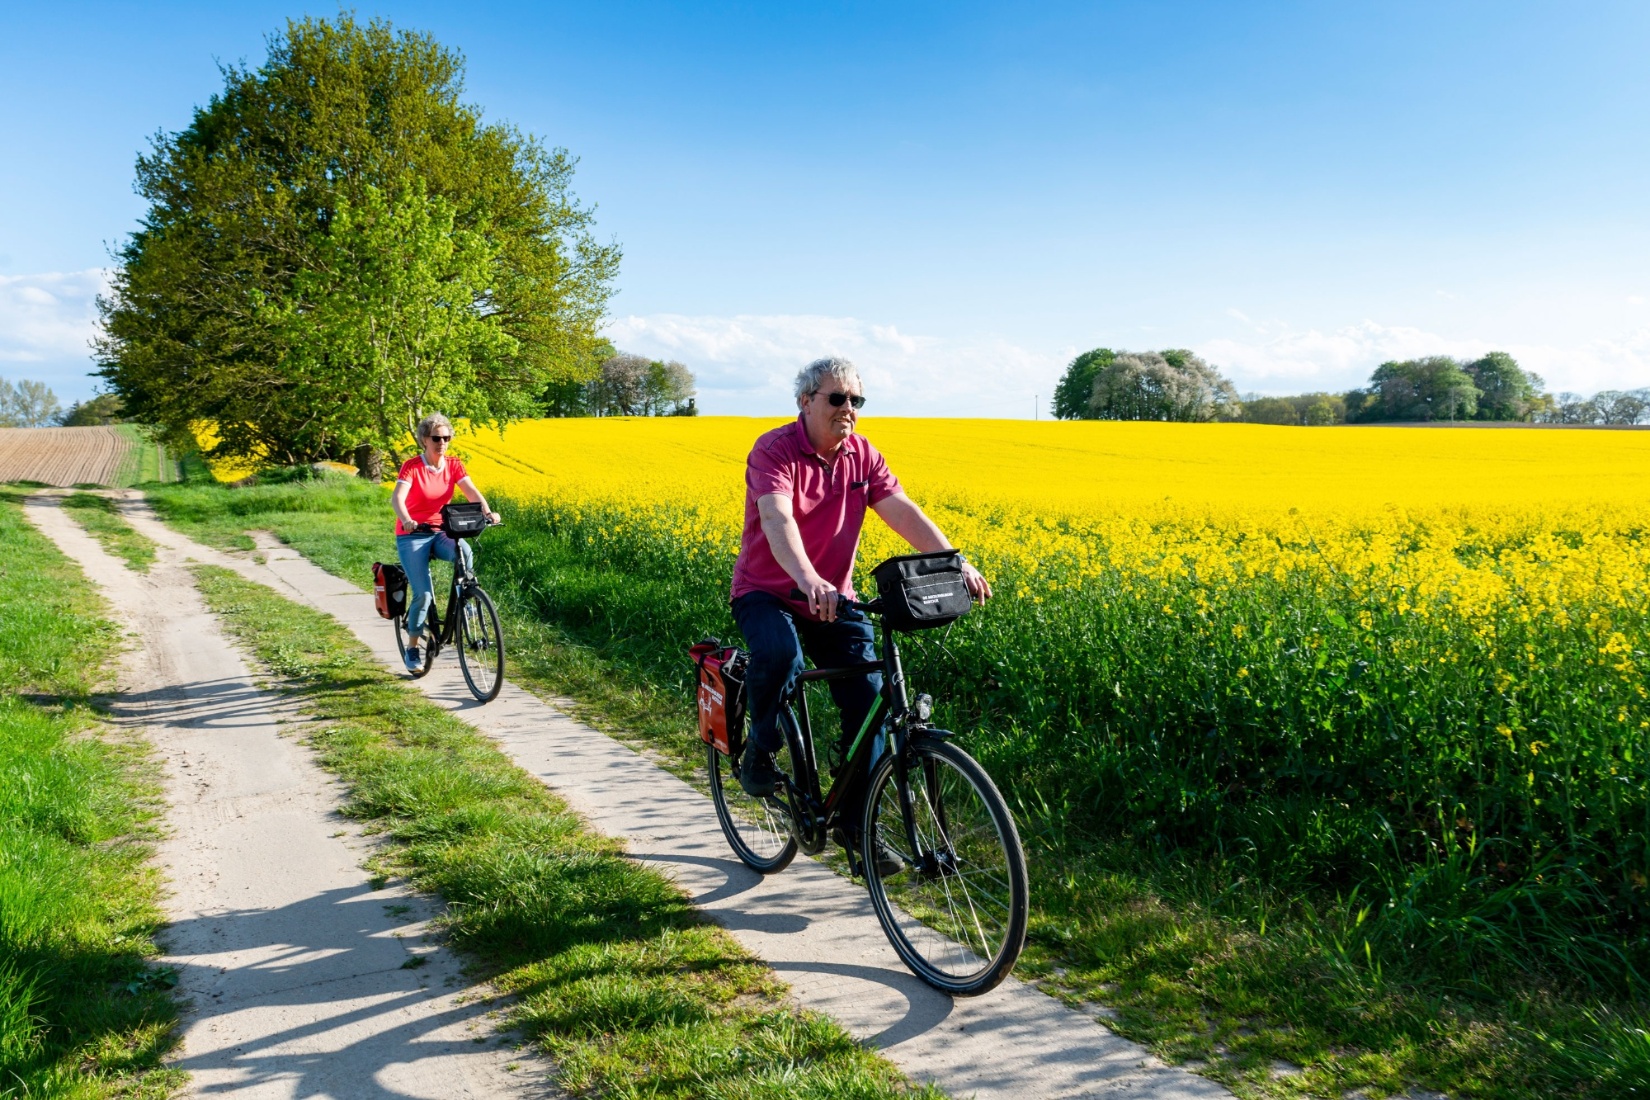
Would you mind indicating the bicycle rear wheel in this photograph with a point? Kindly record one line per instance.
(428, 650)
(480, 645)
(956, 911)
(758, 829)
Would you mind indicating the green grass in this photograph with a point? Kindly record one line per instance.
(146, 461)
(83, 1013)
(619, 978)
(101, 518)
(1208, 959)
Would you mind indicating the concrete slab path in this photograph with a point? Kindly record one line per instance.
(814, 927)
(302, 980)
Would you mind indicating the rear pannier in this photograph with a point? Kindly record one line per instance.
(922, 591)
(389, 590)
(721, 694)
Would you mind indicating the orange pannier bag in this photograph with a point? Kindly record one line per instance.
(389, 590)
(721, 695)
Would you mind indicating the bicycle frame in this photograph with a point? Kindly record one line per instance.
(441, 630)
(892, 712)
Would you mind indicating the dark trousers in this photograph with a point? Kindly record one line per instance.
(777, 637)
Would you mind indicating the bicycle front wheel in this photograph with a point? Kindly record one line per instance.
(758, 829)
(480, 645)
(956, 910)
(428, 651)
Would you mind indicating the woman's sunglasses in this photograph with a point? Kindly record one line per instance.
(839, 399)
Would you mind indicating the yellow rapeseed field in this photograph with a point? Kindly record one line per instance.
(1469, 515)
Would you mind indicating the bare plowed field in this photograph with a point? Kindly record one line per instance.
(61, 456)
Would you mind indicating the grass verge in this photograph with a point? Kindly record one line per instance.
(100, 516)
(620, 979)
(146, 461)
(83, 1013)
(1273, 992)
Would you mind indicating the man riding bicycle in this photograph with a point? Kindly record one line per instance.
(423, 487)
(807, 486)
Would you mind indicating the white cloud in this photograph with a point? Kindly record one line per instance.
(47, 322)
(50, 316)
(745, 364)
(1277, 358)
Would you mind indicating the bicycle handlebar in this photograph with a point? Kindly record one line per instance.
(844, 603)
(435, 529)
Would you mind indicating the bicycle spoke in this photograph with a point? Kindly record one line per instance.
(758, 829)
(959, 912)
(480, 649)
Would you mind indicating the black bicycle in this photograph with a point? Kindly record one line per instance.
(472, 622)
(955, 909)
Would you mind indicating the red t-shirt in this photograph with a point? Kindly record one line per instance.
(828, 500)
(429, 489)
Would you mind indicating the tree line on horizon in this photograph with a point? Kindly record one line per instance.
(1177, 385)
(625, 384)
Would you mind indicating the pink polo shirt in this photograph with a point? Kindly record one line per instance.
(828, 499)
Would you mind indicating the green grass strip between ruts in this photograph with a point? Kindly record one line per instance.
(620, 979)
(82, 1012)
(101, 518)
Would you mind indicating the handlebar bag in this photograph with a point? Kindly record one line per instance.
(463, 520)
(721, 695)
(389, 590)
(922, 591)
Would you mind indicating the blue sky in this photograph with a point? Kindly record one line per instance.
(961, 197)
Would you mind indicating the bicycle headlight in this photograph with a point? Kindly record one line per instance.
(924, 707)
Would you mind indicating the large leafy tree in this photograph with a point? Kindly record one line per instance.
(1076, 386)
(27, 405)
(1434, 388)
(337, 244)
(1505, 390)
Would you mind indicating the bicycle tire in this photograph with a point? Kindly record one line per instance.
(480, 645)
(957, 916)
(757, 829)
(401, 649)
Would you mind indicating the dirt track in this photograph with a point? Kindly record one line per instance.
(61, 456)
(305, 979)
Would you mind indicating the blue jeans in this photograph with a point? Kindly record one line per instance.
(415, 552)
(776, 636)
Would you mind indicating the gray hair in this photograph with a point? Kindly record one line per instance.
(429, 424)
(810, 376)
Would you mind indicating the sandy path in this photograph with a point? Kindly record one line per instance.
(295, 968)
(61, 456)
(815, 928)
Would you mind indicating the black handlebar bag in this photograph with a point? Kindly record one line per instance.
(463, 520)
(922, 591)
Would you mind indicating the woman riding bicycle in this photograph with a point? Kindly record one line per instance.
(423, 487)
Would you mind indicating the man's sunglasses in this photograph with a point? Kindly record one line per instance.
(839, 399)
(441, 439)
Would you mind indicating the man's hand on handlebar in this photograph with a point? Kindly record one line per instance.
(843, 604)
(822, 596)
